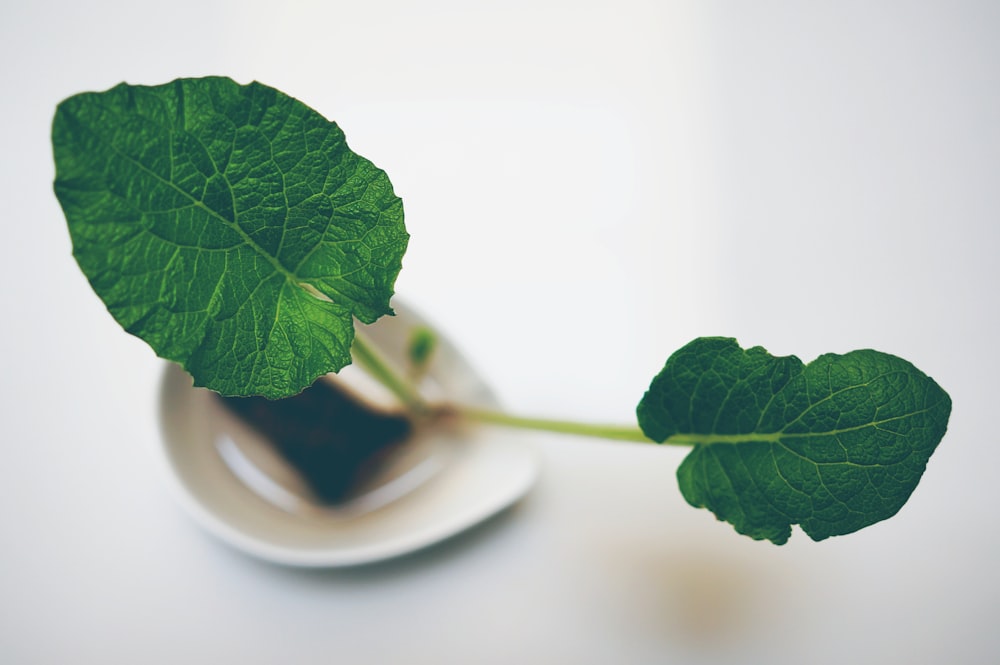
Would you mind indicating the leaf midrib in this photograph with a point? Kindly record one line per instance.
(249, 241)
(695, 439)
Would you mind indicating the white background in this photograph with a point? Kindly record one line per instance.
(588, 185)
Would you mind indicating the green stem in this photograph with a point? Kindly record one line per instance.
(614, 432)
(368, 357)
(380, 369)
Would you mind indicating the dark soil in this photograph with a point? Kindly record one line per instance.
(335, 441)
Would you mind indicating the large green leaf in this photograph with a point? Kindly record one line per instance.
(228, 226)
(834, 446)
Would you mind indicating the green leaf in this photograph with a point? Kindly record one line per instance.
(228, 226)
(834, 446)
(423, 343)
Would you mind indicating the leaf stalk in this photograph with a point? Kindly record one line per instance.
(614, 432)
(368, 357)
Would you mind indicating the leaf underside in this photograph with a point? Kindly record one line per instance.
(834, 446)
(228, 226)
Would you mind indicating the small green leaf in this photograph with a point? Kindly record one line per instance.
(228, 226)
(423, 342)
(834, 446)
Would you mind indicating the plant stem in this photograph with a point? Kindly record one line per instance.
(613, 432)
(381, 370)
(368, 357)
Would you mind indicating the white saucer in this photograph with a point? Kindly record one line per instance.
(480, 472)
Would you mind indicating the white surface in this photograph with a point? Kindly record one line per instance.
(589, 185)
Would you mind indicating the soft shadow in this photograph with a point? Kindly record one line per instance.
(439, 554)
(705, 597)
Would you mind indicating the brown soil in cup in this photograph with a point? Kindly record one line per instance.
(335, 441)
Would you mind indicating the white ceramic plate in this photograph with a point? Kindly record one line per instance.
(477, 474)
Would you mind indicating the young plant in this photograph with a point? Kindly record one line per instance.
(233, 230)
